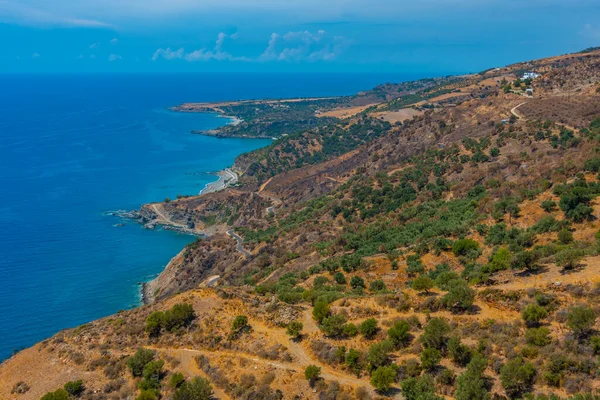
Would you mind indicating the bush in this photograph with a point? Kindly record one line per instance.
(459, 353)
(176, 380)
(399, 333)
(435, 333)
(239, 323)
(423, 284)
(463, 247)
(516, 377)
(568, 258)
(312, 372)
(471, 385)
(379, 353)
(377, 286)
(339, 278)
(419, 388)
(139, 360)
(368, 328)
(294, 329)
(59, 394)
(74, 388)
(459, 296)
(333, 325)
(357, 282)
(352, 360)
(548, 205)
(383, 378)
(532, 314)
(196, 389)
(565, 236)
(430, 358)
(179, 316)
(538, 336)
(581, 319)
(320, 311)
(445, 279)
(349, 330)
(414, 265)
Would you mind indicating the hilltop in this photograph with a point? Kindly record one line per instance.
(424, 240)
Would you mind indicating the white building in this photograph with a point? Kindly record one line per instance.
(530, 75)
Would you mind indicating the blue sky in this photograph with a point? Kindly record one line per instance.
(425, 36)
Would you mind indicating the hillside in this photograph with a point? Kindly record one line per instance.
(428, 240)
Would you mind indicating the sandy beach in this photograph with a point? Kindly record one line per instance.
(227, 177)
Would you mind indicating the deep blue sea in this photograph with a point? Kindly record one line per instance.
(74, 147)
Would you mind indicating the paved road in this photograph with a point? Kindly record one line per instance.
(240, 243)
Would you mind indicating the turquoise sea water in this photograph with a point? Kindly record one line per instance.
(74, 147)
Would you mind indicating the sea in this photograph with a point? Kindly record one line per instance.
(74, 147)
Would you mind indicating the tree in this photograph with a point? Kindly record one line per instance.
(154, 323)
(352, 360)
(463, 247)
(320, 311)
(60, 394)
(430, 358)
(377, 286)
(565, 236)
(459, 353)
(471, 385)
(423, 283)
(420, 388)
(568, 258)
(357, 282)
(333, 325)
(368, 328)
(239, 323)
(312, 373)
(176, 380)
(459, 296)
(532, 314)
(379, 353)
(435, 333)
(399, 333)
(74, 388)
(180, 315)
(294, 329)
(196, 389)
(538, 336)
(139, 360)
(516, 377)
(152, 374)
(548, 205)
(581, 319)
(383, 378)
(339, 278)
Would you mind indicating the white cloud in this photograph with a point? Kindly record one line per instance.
(293, 46)
(94, 45)
(35, 55)
(114, 57)
(304, 46)
(114, 41)
(198, 55)
(19, 12)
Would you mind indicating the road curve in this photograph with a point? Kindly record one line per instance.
(240, 242)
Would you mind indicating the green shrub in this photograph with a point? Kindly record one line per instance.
(139, 360)
(548, 205)
(444, 280)
(532, 314)
(320, 311)
(195, 389)
(472, 385)
(179, 316)
(59, 394)
(353, 360)
(339, 278)
(464, 247)
(368, 328)
(459, 353)
(419, 388)
(399, 333)
(517, 377)
(349, 330)
(333, 325)
(294, 329)
(538, 336)
(568, 258)
(383, 378)
(379, 353)
(377, 286)
(239, 323)
(459, 296)
(565, 236)
(430, 358)
(581, 319)
(312, 372)
(74, 388)
(435, 333)
(357, 282)
(423, 283)
(176, 380)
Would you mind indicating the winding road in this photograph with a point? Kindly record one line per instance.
(240, 242)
